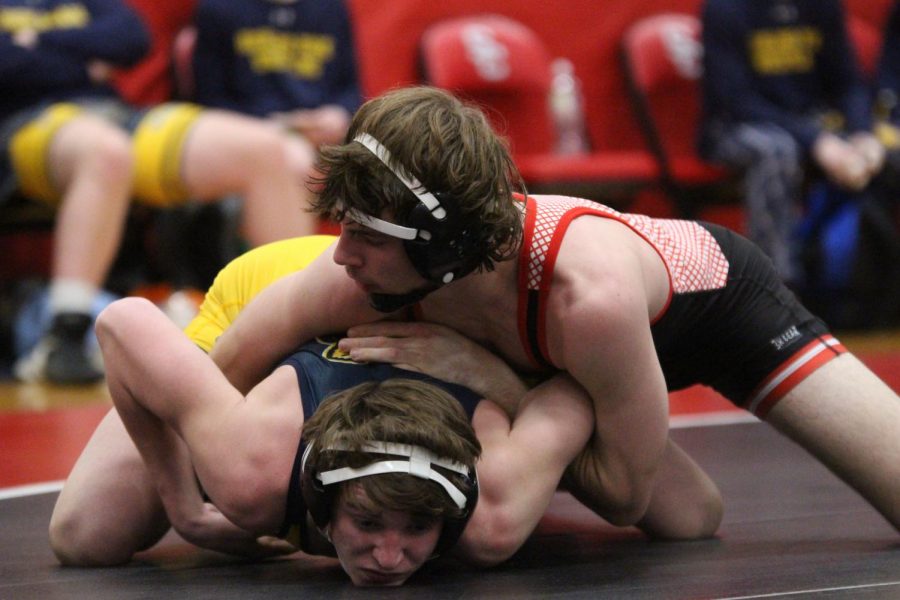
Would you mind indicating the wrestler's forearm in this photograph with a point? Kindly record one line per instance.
(166, 457)
(168, 461)
(495, 381)
(140, 350)
(685, 503)
(521, 465)
(282, 316)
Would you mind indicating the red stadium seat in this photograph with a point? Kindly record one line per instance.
(501, 64)
(505, 67)
(866, 39)
(662, 58)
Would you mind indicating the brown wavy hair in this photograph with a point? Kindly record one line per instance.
(403, 411)
(448, 145)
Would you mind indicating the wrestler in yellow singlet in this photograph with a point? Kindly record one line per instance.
(244, 277)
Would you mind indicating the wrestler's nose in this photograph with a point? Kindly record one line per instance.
(388, 551)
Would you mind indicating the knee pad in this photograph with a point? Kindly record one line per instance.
(29, 151)
(158, 143)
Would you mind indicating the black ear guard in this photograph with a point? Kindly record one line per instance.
(451, 250)
(319, 488)
(440, 243)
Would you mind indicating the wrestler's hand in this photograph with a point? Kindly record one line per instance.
(437, 351)
(211, 530)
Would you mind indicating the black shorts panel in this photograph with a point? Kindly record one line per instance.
(733, 338)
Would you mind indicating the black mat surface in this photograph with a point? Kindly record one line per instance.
(791, 530)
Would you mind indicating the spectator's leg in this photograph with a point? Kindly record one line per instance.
(89, 167)
(773, 174)
(227, 153)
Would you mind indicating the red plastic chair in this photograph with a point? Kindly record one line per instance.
(503, 66)
(866, 39)
(662, 59)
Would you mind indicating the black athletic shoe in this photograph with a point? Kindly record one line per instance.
(62, 356)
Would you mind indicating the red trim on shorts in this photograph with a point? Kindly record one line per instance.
(791, 372)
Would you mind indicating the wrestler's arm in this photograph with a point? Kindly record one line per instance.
(685, 502)
(187, 422)
(440, 352)
(598, 331)
(521, 464)
(319, 299)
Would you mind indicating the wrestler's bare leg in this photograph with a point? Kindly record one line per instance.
(849, 419)
(108, 508)
(685, 503)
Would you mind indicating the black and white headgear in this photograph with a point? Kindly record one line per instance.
(440, 243)
(319, 489)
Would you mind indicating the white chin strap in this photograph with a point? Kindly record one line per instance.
(418, 465)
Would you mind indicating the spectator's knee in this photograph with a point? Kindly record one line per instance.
(300, 156)
(110, 156)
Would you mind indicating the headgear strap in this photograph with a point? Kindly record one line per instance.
(414, 185)
(419, 465)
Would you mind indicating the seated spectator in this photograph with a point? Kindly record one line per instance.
(289, 61)
(70, 141)
(887, 85)
(782, 93)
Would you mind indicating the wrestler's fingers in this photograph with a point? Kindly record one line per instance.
(277, 545)
(384, 352)
(391, 329)
(374, 341)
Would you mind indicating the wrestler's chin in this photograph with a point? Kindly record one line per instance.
(368, 578)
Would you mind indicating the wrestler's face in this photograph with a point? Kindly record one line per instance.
(379, 547)
(375, 261)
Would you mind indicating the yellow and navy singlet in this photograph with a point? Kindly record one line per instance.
(322, 370)
(245, 277)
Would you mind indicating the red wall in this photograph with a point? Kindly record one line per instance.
(586, 31)
(150, 82)
(387, 35)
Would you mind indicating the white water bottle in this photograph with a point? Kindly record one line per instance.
(567, 108)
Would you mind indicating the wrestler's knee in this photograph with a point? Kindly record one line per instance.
(696, 520)
(78, 541)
